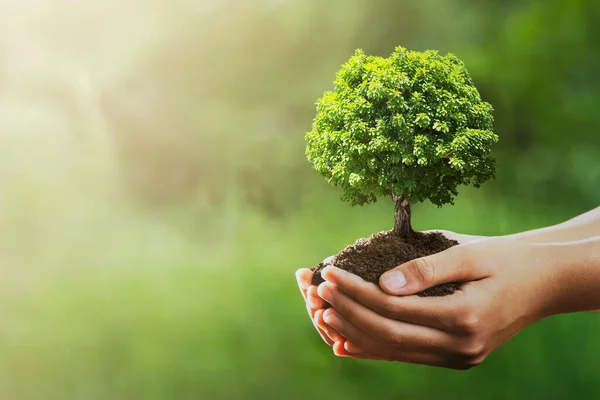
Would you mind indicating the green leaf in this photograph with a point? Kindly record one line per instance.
(412, 124)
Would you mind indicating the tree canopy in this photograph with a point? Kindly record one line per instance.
(410, 126)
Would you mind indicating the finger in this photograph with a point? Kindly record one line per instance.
(414, 276)
(329, 331)
(321, 332)
(303, 277)
(361, 346)
(314, 300)
(436, 312)
(403, 334)
(338, 349)
(356, 339)
(353, 348)
(324, 336)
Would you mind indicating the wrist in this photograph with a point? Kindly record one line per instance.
(574, 276)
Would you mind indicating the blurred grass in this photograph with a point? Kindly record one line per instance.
(155, 199)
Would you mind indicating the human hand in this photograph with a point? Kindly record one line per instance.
(508, 286)
(315, 304)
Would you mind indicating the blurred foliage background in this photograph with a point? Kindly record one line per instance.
(155, 199)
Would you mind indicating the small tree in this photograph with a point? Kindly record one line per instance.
(411, 127)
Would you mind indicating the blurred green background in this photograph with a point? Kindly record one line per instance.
(155, 199)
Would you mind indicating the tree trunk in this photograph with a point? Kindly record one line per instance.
(401, 216)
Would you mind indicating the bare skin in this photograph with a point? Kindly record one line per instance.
(510, 282)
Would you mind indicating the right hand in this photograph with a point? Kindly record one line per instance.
(506, 286)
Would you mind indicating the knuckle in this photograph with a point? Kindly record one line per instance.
(472, 353)
(470, 324)
(467, 321)
(423, 270)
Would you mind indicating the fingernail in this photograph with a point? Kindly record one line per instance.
(301, 282)
(316, 316)
(333, 321)
(338, 349)
(326, 271)
(394, 280)
(352, 348)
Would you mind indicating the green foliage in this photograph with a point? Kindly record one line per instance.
(412, 125)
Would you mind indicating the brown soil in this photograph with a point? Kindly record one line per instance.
(370, 258)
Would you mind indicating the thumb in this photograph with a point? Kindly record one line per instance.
(423, 273)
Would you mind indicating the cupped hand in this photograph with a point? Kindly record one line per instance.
(507, 286)
(315, 304)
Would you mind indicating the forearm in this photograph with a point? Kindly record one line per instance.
(575, 275)
(581, 227)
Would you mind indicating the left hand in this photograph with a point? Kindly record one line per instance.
(508, 286)
(314, 306)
